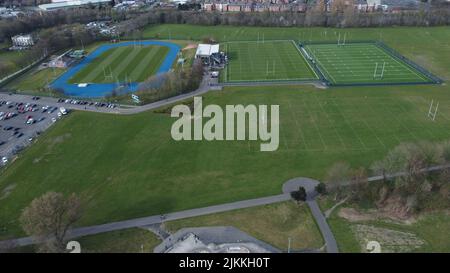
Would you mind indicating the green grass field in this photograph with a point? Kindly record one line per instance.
(273, 224)
(425, 46)
(128, 166)
(34, 80)
(268, 61)
(362, 63)
(9, 59)
(126, 63)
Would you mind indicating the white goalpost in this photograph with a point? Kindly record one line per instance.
(107, 76)
(432, 112)
(272, 71)
(380, 75)
(342, 43)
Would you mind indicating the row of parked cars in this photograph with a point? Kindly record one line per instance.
(17, 121)
(87, 103)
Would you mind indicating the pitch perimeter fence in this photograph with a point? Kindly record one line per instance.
(432, 79)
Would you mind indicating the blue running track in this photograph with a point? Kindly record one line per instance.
(96, 90)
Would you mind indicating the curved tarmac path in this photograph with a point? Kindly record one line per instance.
(289, 186)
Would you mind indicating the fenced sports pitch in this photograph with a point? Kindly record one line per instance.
(363, 63)
(265, 61)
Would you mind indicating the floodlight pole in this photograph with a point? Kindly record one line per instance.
(339, 39)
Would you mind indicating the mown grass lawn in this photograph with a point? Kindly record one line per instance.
(8, 60)
(126, 63)
(268, 61)
(426, 46)
(35, 80)
(273, 224)
(129, 166)
(133, 240)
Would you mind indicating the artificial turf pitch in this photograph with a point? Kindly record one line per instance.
(258, 61)
(362, 63)
(127, 63)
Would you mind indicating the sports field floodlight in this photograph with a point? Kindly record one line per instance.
(432, 114)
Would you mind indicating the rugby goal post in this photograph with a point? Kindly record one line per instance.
(376, 74)
(432, 111)
(342, 42)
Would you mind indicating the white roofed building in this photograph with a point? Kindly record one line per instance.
(206, 50)
(55, 5)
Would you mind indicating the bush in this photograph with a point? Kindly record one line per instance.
(299, 195)
(321, 188)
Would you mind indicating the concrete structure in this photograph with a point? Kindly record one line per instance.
(72, 4)
(213, 240)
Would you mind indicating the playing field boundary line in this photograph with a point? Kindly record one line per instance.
(412, 64)
(305, 59)
(418, 74)
(315, 125)
(298, 125)
(330, 122)
(270, 82)
(255, 61)
(348, 123)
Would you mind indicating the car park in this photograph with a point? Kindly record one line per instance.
(14, 136)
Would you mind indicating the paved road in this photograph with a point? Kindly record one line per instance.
(311, 194)
(121, 109)
(288, 187)
(156, 219)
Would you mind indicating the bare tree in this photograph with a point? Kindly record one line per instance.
(337, 175)
(49, 217)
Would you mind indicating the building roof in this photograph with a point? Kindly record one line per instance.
(206, 50)
(69, 4)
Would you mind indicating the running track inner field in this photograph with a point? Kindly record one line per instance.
(95, 90)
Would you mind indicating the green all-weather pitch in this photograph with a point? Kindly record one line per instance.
(123, 64)
(263, 61)
(363, 63)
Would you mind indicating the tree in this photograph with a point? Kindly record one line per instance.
(338, 174)
(299, 195)
(359, 185)
(49, 217)
(321, 188)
